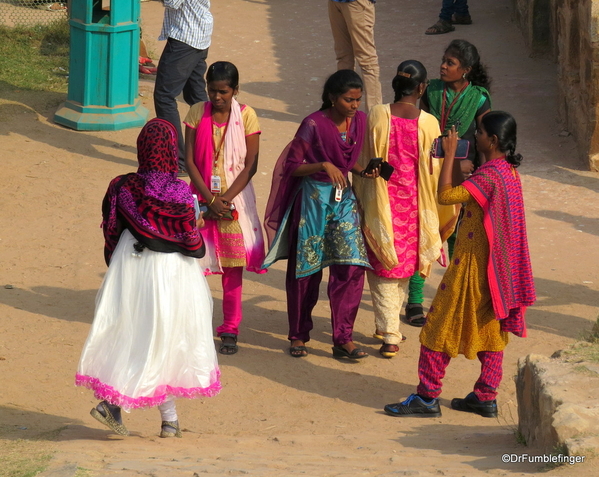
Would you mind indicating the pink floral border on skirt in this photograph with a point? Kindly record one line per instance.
(104, 392)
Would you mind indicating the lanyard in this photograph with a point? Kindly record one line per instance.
(347, 123)
(445, 115)
(220, 146)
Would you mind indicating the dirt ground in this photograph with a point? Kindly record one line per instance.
(277, 415)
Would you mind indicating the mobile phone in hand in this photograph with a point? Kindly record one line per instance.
(461, 152)
(373, 164)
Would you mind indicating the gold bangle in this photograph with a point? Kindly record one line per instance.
(212, 201)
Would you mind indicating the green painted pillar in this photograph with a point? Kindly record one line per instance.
(103, 67)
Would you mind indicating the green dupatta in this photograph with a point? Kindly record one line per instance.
(465, 107)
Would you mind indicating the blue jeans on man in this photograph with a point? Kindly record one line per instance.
(451, 7)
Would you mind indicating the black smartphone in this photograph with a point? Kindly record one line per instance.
(386, 171)
(373, 164)
(461, 152)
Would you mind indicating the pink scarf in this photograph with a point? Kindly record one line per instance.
(497, 189)
(245, 202)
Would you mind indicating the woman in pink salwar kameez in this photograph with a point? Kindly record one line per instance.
(222, 140)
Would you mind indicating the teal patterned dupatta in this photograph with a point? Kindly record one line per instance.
(328, 231)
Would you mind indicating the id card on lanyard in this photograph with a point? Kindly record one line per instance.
(215, 184)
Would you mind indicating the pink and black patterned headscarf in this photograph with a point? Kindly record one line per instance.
(153, 204)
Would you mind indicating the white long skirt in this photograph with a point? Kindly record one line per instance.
(151, 338)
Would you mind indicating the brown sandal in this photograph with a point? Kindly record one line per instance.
(439, 28)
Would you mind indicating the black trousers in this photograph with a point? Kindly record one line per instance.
(181, 69)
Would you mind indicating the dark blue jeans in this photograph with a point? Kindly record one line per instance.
(181, 69)
(449, 7)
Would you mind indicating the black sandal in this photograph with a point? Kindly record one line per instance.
(439, 28)
(228, 348)
(341, 352)
(298, 351)
(415, 314)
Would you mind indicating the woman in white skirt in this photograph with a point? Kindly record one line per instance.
(151, 338)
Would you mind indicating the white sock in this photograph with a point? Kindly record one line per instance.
(168, 412)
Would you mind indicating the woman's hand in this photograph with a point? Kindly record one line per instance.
(219, 206)
(335, 174)
(376, 172)
(450, 143)
(467, 168)
(200, 221)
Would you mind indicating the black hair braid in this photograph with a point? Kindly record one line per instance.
(503, 125)
(403, 86)
(513, 157)
(478, 76)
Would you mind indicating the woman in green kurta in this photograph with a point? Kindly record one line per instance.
(459, 97)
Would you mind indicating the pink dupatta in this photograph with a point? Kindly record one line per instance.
(497, 189)
(245, 202)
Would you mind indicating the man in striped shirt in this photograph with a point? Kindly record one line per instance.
(187, 27)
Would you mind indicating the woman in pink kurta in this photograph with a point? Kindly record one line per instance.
(401, 218)
(403, 198)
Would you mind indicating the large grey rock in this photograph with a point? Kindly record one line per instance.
(558, 401)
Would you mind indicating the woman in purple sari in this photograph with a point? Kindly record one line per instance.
(312, 218)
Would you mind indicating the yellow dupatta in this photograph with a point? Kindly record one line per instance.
(436, 222)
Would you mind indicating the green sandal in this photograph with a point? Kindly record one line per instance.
(166, 429)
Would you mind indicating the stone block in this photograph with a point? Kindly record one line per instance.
(558, 404)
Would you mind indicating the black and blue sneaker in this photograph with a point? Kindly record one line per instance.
(414, 406)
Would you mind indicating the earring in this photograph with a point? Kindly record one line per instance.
(464, 76)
